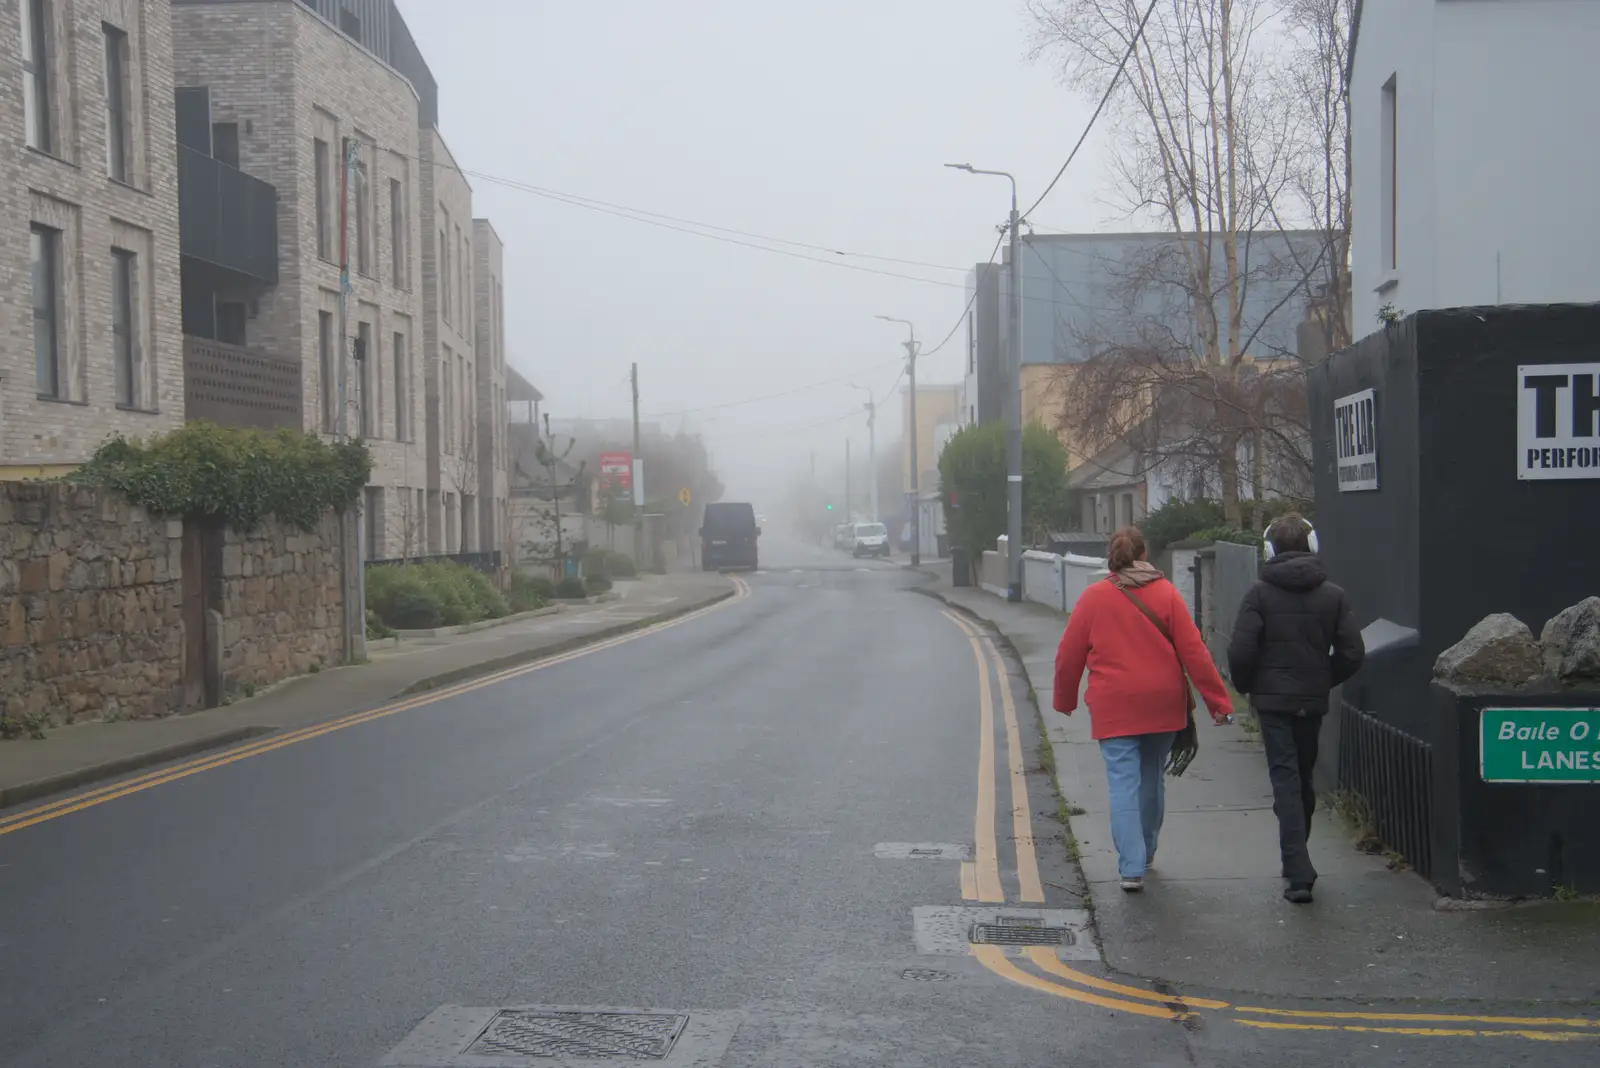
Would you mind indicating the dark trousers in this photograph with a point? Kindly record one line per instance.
(1291, 743)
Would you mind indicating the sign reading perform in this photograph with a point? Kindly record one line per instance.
(1556, 408)
(1355, 435)
(1539, 745)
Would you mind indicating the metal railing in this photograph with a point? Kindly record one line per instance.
(1392, 774)
(226, 217)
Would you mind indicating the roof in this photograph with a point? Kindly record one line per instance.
(1115, 466)
(1355, 32)
(519, 388)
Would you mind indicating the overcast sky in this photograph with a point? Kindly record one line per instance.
(823, 122)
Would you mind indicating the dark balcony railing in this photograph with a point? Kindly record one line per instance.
(231, 386)
(226, 217)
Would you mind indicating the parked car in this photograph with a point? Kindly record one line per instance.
(844, 536)
(869, 539)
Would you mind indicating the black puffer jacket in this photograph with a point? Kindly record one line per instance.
(1295, 637)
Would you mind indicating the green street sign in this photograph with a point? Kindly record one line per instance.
(1539, 745)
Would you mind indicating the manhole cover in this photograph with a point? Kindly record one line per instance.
(925, 975)
(920, 851)
(1010, 934)
(564, 1036)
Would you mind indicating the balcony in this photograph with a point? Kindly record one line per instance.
(233, 386)
(227, 218)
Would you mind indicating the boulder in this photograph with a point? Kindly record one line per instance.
(1570, 642)
(1498, 649)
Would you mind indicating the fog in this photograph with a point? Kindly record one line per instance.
(822, 124)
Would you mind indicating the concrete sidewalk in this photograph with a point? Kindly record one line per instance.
(1212, 915)
(73, 756)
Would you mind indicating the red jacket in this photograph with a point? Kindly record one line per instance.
(1135, 686)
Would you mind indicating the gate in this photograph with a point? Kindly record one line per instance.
(202, 591)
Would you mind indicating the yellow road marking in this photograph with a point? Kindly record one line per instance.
(1021, 808)
(1429, 1032)
(994, 958)
(1047, 961)
(969, 881)
(79, 802)
(1425, 1017)
(988, 859)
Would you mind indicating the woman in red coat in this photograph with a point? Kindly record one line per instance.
(1134, 633)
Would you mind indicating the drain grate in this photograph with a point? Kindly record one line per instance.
(631, 1035)
(926, 975)
(1019, 934)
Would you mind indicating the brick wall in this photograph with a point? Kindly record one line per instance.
(90, 606)
(68, 188)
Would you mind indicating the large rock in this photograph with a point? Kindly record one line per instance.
(1571, 642)
(1498, 649)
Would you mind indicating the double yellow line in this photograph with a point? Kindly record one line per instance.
(980, 881)
(88, 799)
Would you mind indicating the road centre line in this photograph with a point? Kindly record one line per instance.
(1428, 1032)
(987, 853)
(79, 802)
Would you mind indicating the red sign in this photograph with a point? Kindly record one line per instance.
(616, 469)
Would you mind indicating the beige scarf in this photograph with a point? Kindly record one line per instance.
(1139, 573)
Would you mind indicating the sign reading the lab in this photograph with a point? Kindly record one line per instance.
(1539, 745)
(1355, 435)
(1556, 408)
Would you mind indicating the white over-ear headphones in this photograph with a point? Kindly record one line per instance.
(1311, 538)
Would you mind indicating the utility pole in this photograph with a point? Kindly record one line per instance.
(872, 453)
(352, 549)
(849, 517)
(911, 434)
(637, 478)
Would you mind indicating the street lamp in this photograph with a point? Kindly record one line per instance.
(916, 503)
(1011, 399)
(872, 448)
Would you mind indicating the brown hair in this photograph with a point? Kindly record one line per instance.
(1290, 533)
(1127, 545)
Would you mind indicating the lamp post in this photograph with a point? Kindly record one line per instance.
(911, 434)
(1012, 398)
(872, 451)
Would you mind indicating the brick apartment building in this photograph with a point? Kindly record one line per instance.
(494, 468)
(89, 309)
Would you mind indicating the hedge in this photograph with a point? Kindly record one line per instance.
(436, 593)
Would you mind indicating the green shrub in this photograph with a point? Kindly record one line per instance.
(596, 584)
(527, 593)
(432, 594)
(1237, 537)
(233, 475)
(1177, 520)
(571, 588)
(376, 628)
(621, 565)
(596, 561)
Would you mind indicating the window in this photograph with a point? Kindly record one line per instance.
(1389, 131)
(463, 393)
(402, 389)
(225, 143)
(45, 246)
(35, 75)
(371, 518)
(447, 399)
(326, 366)
(444, 267)
(363, 197)
(124, 327)
(366, 381)
(230, 322)
(117, 132)
(397, 232)
(319, 156)
(462, 293)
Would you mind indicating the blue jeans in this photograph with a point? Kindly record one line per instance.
(1138, 796)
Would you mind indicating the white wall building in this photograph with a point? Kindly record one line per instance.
(1473, 154)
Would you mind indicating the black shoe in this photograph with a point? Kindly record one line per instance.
(1299, 895)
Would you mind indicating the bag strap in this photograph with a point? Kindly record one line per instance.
(1148, 614)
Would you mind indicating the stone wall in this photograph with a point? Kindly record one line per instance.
(280, 603)
(90, 606)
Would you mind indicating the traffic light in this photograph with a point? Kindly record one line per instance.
(830, 507)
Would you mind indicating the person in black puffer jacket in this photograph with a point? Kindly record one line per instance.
(1295, 639)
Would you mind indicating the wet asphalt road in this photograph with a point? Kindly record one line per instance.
(683, 822)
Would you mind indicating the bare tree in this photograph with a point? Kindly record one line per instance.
(1202, 146)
